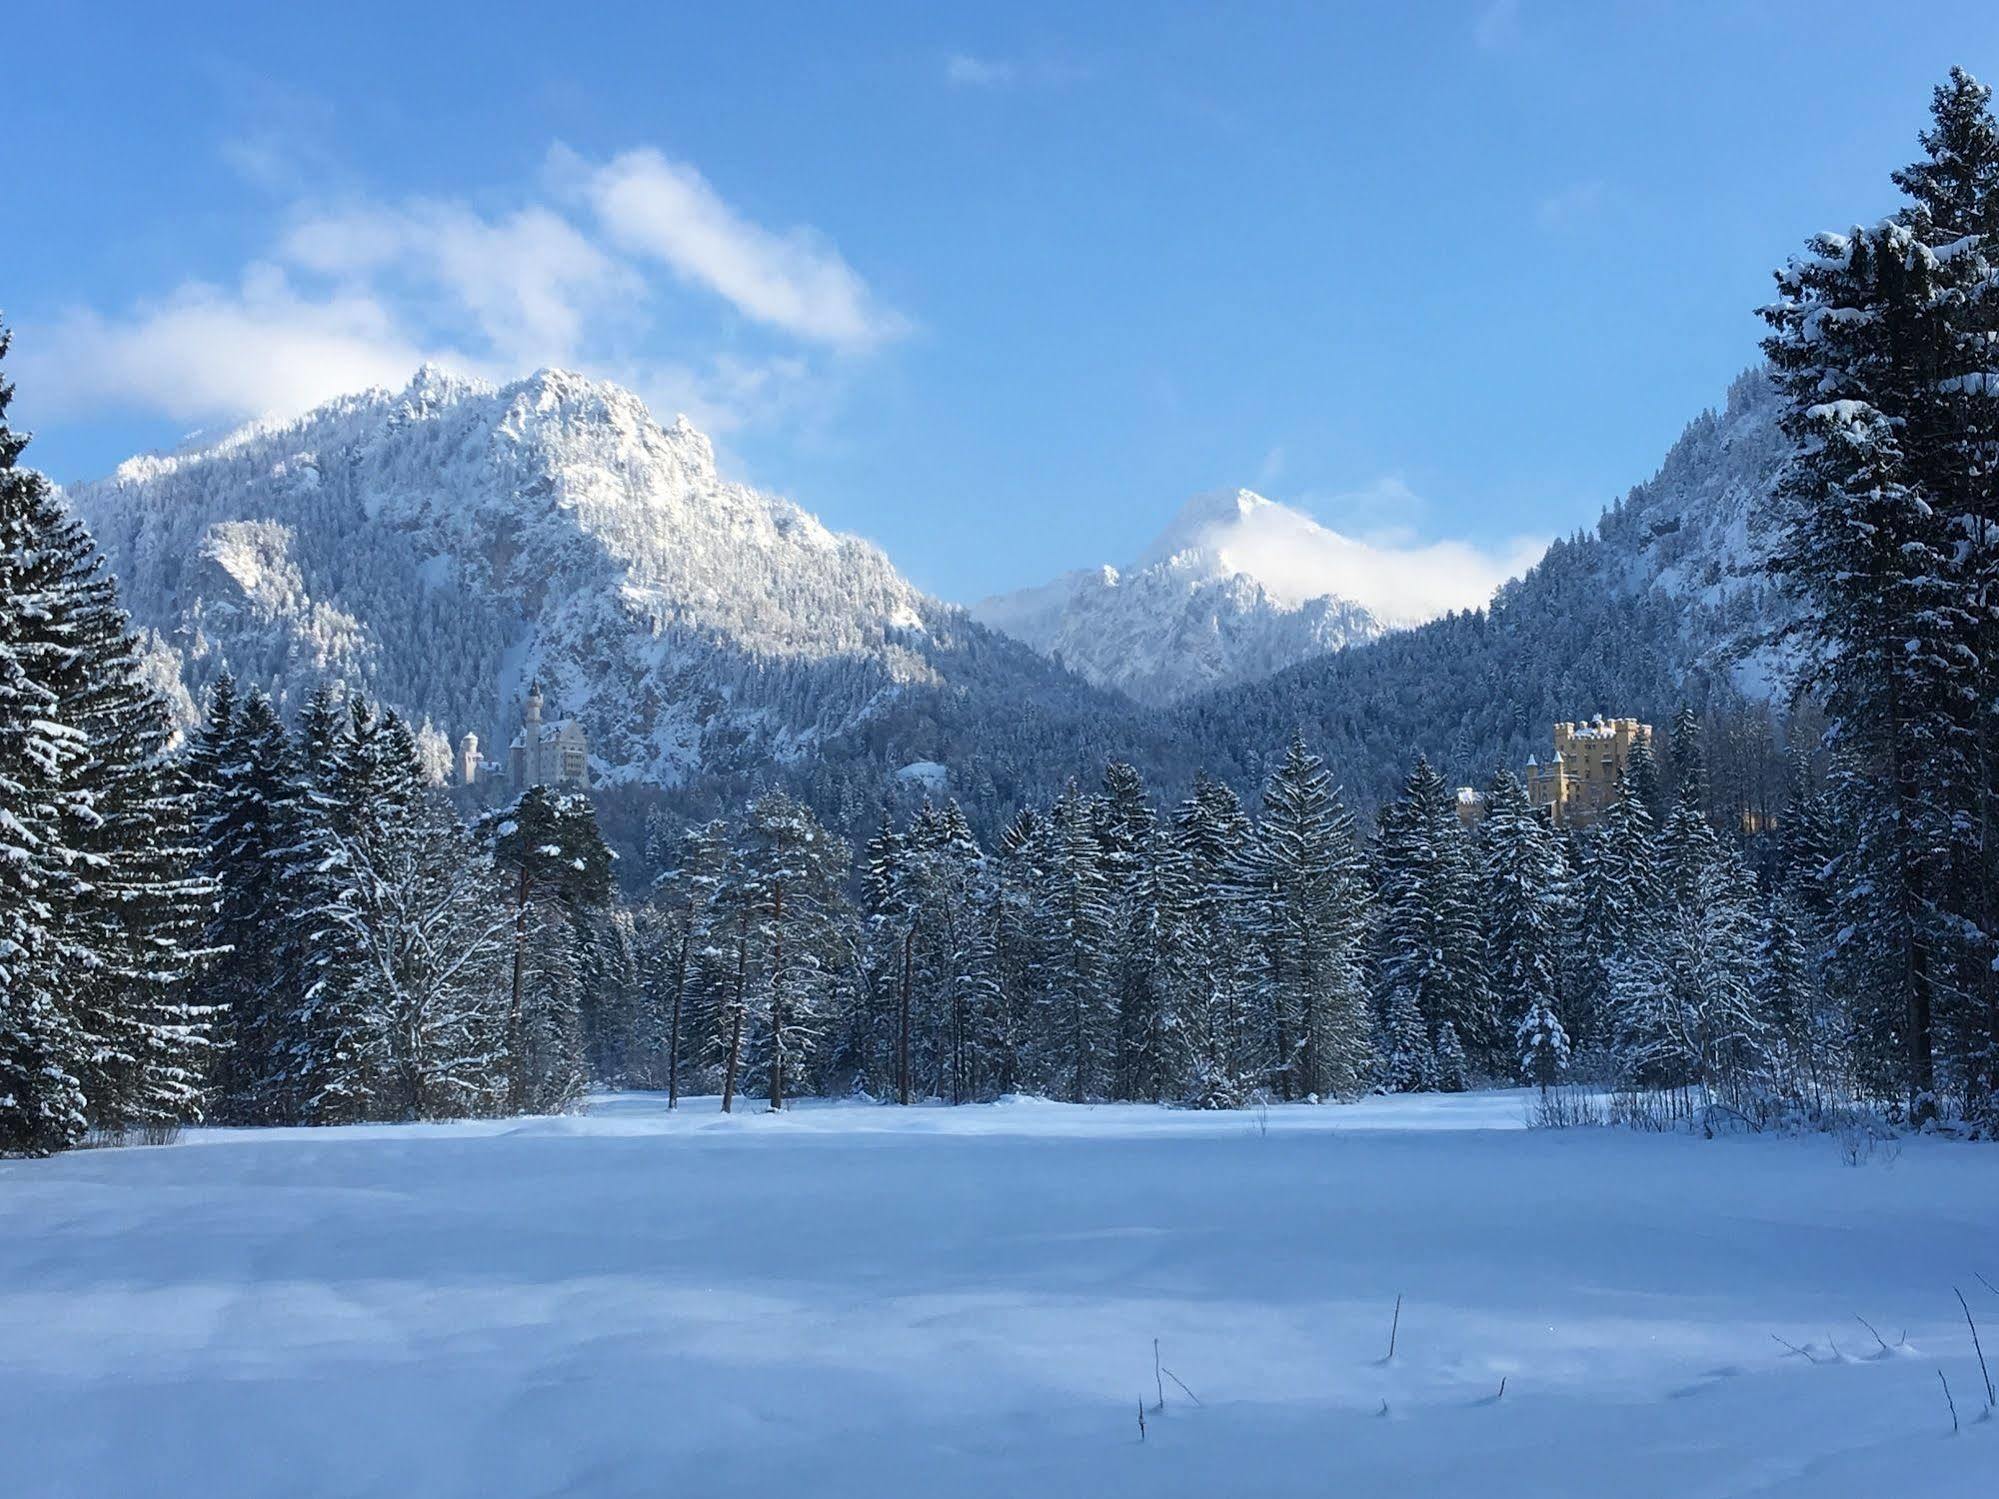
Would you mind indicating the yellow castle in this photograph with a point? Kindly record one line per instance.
(1581, 781)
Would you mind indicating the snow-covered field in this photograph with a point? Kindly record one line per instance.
(850, 1300)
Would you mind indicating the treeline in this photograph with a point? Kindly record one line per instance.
(1210, 957)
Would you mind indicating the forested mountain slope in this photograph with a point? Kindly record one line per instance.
(440, 545)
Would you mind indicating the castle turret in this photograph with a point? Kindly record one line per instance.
(470, 760)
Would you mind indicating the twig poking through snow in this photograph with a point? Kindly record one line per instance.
(1183, 1386)
(1987, 1284)
(1502, 1388)
(1803, 1353)
(1870, 1327)
(1155, 1376)
(1394, 1328)
(1948, 1401)
(1977, 1347)
(1141, 1420)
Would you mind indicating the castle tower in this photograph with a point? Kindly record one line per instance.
(469, 760)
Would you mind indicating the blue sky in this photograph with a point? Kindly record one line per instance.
(998, 286)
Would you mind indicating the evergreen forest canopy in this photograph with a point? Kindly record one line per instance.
(287, 923)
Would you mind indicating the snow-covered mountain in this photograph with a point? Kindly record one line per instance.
(442, 544)
(1202, 608)
(1666, 602)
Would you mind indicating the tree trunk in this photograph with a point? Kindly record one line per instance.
(736, 1017)
(673, 1020)
(1916, 958)
(902, 1031)
(777, 997)
(517, 1079)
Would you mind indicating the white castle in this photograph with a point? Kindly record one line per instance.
(542, 754)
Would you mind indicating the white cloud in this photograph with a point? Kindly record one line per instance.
(360, 293)
(794, 281)
(1401, 579)
(210, 351)
(966, 71)
(531, 282)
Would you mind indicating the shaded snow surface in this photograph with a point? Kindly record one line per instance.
(853, 1300)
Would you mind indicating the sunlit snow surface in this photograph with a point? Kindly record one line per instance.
(853, 1300)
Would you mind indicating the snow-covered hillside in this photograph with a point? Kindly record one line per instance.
(1196, 611)
(441, 544)
(849, 1300)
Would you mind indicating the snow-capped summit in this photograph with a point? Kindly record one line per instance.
(439, 545)
(1218, 597)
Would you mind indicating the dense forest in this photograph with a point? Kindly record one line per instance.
(281, 919)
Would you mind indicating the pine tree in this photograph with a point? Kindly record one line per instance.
(1305, 889)
(1690, 771)
(136, 939)
(42, 1103)
(1209, 836)
(1143, 945)
(556, 866)
(683, 910)
(793, 870)
(1408, 1063)
(1524, 892)
(1074, 915)
(1686, 1000)
(251, 842)
(1429, 939)
(1544, 1046)
(1617, 899)
(1453, 1068)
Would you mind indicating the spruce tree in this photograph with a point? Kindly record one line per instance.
(1074, 916)
(793, 870)
(555, 866)
(1209, 834)
(1304, 885)
(42, 1102)
(1429, 939)
(1524, 893)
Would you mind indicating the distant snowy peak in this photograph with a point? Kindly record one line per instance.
(1218, 598)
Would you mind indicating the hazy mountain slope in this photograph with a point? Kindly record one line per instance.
(441, 544)
(1190, 615)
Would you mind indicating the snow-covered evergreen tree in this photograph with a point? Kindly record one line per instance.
(1304, 888)
(1428, 936)
(42, 1102)
(1209, 835)
(792, 872)
(555, 866)
(1408, 1063)
(1524, 894)
(1544, 1046)
(1076, 1020)
(1688, 1013)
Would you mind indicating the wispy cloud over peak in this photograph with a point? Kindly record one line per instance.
(666, 211)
